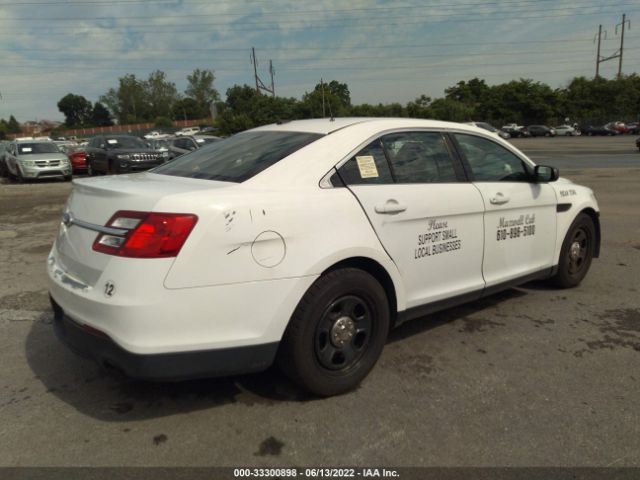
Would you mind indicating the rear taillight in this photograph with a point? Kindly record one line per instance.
(145, 235)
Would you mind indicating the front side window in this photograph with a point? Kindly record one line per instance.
(491, 162)
(238, 158)
(419, 157)
(368, 166)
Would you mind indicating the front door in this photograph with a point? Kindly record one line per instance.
(520, 214)
(426, 215)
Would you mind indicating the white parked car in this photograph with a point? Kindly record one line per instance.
(303, 243)
(155, 135)
(512, 126)
(566, 131)
(188, 131)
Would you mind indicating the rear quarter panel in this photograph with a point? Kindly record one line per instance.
(251, 235)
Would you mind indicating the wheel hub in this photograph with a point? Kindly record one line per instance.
(342, 331)
(574, 251)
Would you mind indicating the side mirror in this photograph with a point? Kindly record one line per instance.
(544, 174)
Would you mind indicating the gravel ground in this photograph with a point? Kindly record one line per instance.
(529, 377)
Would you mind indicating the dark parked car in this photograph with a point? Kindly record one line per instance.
(540, 131)
(516, 132)
(180, 145)
(3, 167)
(120, 154)
(638, 143)
(602, 130)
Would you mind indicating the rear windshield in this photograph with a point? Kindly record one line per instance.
(238, 158)
(35, 148)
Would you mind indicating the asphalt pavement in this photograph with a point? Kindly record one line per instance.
(530, 377)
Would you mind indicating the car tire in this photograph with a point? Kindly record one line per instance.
(19, 176)
(90, 171)
(577, 252)
(68, 178)
(337, 332)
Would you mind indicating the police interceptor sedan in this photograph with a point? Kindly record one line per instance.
(303, 243)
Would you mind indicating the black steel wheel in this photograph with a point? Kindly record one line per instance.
(577, 252)
(343, 333)
(337, 332)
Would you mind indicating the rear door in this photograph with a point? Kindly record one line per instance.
(520, 217)
(425, 213)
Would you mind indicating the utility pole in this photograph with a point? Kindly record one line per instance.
(255, 68)
(624, 20)
(598, 55)
(322, 89)
(272, 72)
(259, 83)
(618, 53)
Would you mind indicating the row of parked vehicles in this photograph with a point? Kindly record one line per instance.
(37, 158)
(513, 130)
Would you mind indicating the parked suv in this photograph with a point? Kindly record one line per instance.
(180, 145)
(33, 159)
(120, 154)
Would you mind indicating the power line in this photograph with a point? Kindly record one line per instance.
(313, 12)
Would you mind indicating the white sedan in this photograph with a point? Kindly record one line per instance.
(566, 130)
(303, 243)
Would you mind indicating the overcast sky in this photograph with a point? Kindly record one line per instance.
(386, 51)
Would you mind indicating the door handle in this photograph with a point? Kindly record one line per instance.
(499, 198)
(390, 207)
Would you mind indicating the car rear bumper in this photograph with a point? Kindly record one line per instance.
(96, 345)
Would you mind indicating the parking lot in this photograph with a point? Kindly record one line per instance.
(529, 377)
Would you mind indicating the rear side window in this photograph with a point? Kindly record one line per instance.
(368, 166)
(419, 157)
(238, 158)
(491, 162)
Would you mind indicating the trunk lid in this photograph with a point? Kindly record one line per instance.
(93, 202)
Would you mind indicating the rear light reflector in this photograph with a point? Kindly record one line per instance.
(146, 235)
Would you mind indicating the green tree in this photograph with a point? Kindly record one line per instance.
(522, 101)
(187, 109)
(160, 94)
(200, 88)
(450, 110)
(163, 122)
(13, 126)
(419, 108)
(129, 102)
(76, 109)
(100, 116)
(245, 108)
(334, 96)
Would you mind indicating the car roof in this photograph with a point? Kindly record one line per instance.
(33, 141)
(339, 139)
(329, 125)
